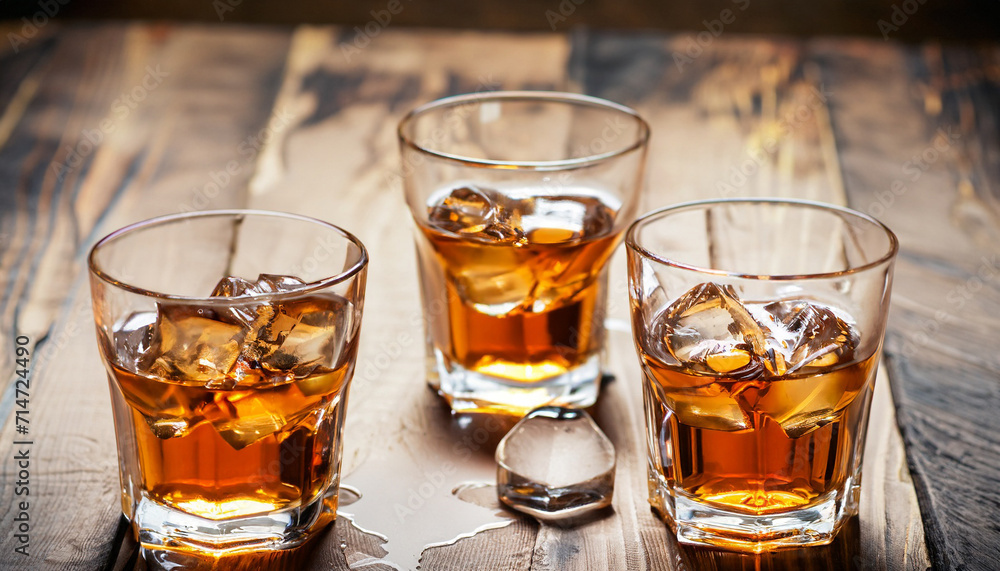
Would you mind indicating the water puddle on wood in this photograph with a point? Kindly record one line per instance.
(429, 486)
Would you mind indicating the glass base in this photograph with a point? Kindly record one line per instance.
(469, 391)
(164, 527)
(698, 523)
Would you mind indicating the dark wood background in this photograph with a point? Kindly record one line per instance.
(947, 19)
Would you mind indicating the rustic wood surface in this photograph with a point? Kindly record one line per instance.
(103, 125)
(934, 177)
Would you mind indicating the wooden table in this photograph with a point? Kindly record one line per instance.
(103, 125)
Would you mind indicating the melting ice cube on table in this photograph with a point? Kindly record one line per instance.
(555, 464)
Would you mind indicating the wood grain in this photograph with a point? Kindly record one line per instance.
(934, 178)
(144, 151)
(347, 106)
(728, 104)
(843, 115)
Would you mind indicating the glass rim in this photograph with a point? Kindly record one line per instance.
(632, 243)
(540, 96)
(97, 271)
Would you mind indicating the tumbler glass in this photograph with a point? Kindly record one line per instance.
(230, 339)
(758, 325)
(519, 199)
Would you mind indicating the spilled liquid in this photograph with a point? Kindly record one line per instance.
(425, 488)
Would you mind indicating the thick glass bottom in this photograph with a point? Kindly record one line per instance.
(698, 523)
(161, 526)
(469, 391)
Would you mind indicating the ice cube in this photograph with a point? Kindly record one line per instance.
(270, 283)
(701, 402)
(600, 218)
(807, 343)
(290, 339)
(709, 406)
(478, 213)
(246, 373)
(549, 295)
(169, 409)
(803, 404)
(252, 314)
(267, 333)
(190, 347)
(554, 464)
(303, 349)
(234, 286)
(231, 286)
(810, 335)
(316, 337)
(709, 330)
(244, 417)
(555, 219)
(171, 427)
(496, 293)
(133, 339)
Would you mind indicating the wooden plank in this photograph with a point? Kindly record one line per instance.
(694, 102)
(19, 71)
(144, 136)
(331, 153)
(919, 151)
(751, 118)
(346, 105)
